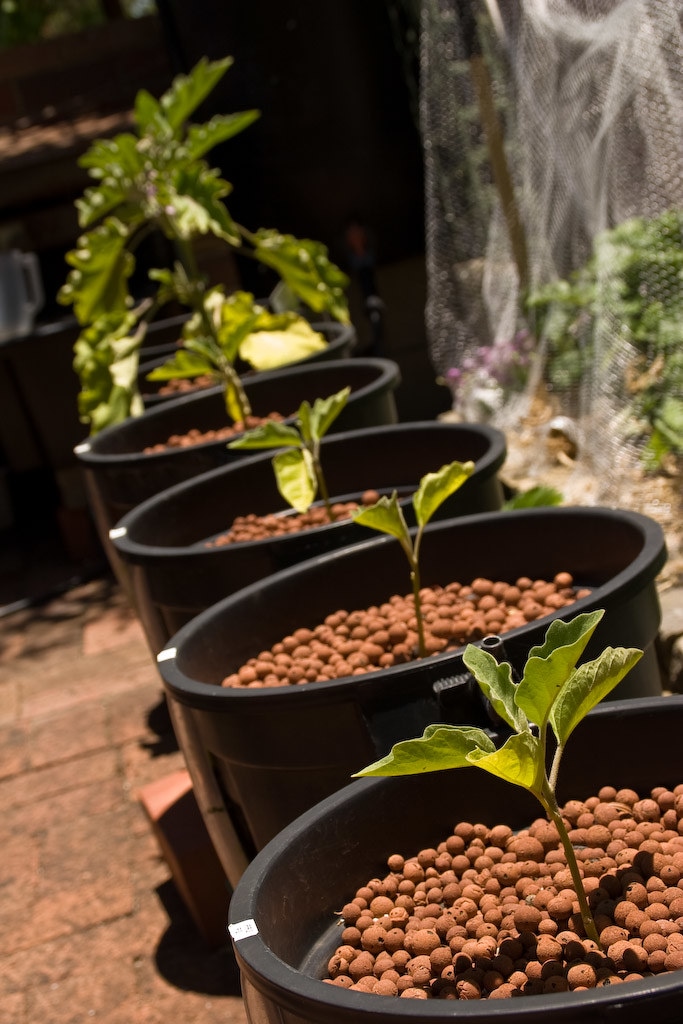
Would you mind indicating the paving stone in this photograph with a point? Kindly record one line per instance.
(62, 737)
(115, 628)
(14, 756)
(46, 782)
(10, 701)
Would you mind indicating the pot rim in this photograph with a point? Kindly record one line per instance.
(88, 453)
(135, 551)
(647, 563)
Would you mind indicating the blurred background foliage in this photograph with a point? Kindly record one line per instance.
(28, 21)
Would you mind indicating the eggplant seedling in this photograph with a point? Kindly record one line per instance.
(298, 470)
(226, 327)
(387, 516)
(553, 694)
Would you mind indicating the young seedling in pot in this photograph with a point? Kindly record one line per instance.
(227, 327)
(298, 470)
(387, 516)
(553, 694)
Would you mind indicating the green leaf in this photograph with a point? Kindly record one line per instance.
(439, 748)
(325, 411)
(269, 435)
(201, 138)
(549, 666)
(188, 91)
(535, 497)
(518, 761)
(436, 487)
(306, 268)
(295, 477)
(105, 359)
(386, 516)
(495, 681)
(197, 207)
(265, 350)
(184, 365)
(147, 109)
(98, 283)
(588, 685)
(98, 201)
(119, 159)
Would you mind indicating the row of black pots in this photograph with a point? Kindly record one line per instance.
(260, 758)
(341, 340)
(273, 753)
(283, 913)
(174, 574)
(119, 475)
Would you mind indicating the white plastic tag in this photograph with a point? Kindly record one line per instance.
(242, 930)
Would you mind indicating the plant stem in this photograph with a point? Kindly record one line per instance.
(232, 379)
(415, 580)
(553, 811)
(322, 485)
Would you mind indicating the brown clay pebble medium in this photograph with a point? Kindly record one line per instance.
(226, 433)
(490, 914)
(253, 527)
(353, 643)
(183, 385)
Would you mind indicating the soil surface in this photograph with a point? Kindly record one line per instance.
(492, 914)
(352, 643)
(227, 433)
(180, 386)
(253, 527)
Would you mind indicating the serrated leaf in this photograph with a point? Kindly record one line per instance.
(386, 516)
(265, 350)
(306, 268)
(98, 201)
(436, 487)
(549, 665)
(119, 158)
(495, 681)
(518, 761)
(269, 435)
(588, 685)
(295, 477)
(186, 92)
(201, 138)
(197, 207)
(439, 748)
(184, 365)
(98, 283)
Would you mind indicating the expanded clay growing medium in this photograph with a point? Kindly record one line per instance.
(491, 914)
(365, 640)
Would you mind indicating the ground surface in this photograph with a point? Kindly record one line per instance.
(91, 924)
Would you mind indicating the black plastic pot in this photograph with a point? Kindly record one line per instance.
(119, 475)
(341, 340)
(276, 752)
(162, 337)
(283, 912)
(174, 575)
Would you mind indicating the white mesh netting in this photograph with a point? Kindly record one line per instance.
(553, 134)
